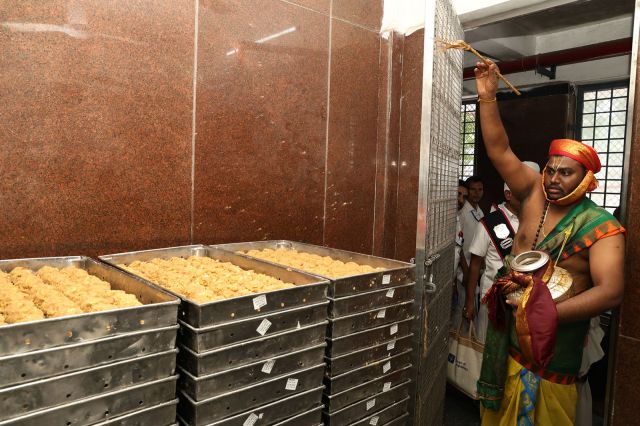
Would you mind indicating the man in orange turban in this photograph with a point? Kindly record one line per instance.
(530, 379)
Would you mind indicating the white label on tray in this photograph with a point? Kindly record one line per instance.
(371, 404)
(374, 420)
(386, 386)
(391, 345)
(298, 326)
(263, 327)
(259, 301)
(386, 367)
(381, 313)
(251, 420)
(292, 384)
(386, 279)
(268, 366)
(393, 329)
(391, 292)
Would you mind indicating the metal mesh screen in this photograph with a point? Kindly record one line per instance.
(445, 133)
(438, 199)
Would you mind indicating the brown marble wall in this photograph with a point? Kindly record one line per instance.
(626, 374)
(288, 133)
(95, 125)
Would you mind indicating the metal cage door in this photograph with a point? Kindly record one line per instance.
(435, 242)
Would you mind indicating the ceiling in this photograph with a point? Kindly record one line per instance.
(540, 31)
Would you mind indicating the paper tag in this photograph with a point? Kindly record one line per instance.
(386, 279)
(251, 420)
(386, 386)
(374, 420)
(386, 367)
(393, 329)
(391, 292)
(292, 384)
(268, 366)
(391, 345)
(259, 301)
(371, 404)
(263, 327)
(381, 313)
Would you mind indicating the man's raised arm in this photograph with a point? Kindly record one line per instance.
(520, 178)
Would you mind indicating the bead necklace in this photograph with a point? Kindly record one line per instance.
(542, 220)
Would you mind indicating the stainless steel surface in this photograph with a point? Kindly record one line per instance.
(374, 299)
(369, 319)
(25, 398)
(340, 400)
(309, 289)
(400, 421)
(361, 357)
(392, 412)
(437, 183)
(529, 261)
(374, 336)
(203, 339)
(395, 273)
(273, 412)
(41, 364)
(159, 310)
(361, 409)
(224, 358)
(203, 387)
(369, 372)
(99, 408)
(159, 415)
(238, 401)
(310, 417)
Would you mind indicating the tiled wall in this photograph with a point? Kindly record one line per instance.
(161, 122)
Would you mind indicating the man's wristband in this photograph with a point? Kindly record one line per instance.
(488, 101)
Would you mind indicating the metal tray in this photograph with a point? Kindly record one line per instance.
(227, 357)
(369, 372)
(361, 357)
(309, 288)
(369, 319)
(310, 417)
(340, 400)
(41, 394)
(366, 407)
(395, 273)
(388, 414)
(203, 387)
(272, 412)
(203, 339)
(374, 336)
(45, 363)
(400, 421)
(159, 310)
(376, 299)
(159, 415)
(235, 402)
(99, 408)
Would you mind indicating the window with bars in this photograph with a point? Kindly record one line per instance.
(602, 118)
(468, 137)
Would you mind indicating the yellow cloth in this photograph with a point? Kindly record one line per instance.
(555, 405)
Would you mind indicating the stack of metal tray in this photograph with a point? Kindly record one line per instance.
(249, 358)
(108, 367)
(369, 336)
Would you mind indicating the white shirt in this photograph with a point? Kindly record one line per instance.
(459, 241)
(482, 246)
(469, 220)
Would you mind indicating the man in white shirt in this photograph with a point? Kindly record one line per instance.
(492, 241)
(460, 263)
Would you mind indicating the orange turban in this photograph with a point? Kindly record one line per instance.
(578, 151)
